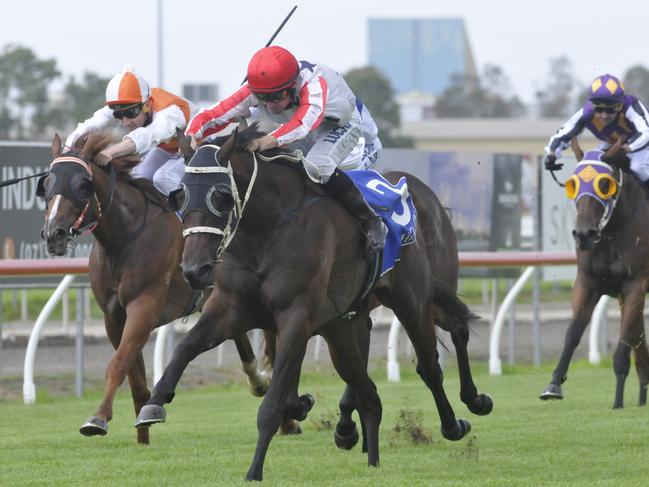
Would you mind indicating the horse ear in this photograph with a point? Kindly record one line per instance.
(56, 146)
(224, 153)
(185, 145)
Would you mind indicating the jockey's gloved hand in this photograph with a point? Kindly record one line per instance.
(551, 163)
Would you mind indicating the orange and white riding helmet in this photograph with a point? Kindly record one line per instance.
(127, 88)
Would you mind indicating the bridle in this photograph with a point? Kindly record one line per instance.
(234, 216)
(89, 216)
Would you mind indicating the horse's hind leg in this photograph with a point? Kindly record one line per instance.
(584, 299)
(480, 404)
(642, 368)
(631, 338)
(417, 320)
(346, 434)
(257, 381)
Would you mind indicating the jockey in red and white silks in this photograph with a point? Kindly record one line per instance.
(309, 107)
(325, 120)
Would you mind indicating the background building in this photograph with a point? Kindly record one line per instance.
(420, 54)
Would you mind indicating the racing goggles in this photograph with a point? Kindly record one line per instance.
(271, 97)
(607, 108)
(131, 111)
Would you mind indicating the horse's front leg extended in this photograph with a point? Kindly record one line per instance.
(584, 299)
(291, 348)
(210, 330)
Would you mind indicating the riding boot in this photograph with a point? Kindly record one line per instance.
(343, 189)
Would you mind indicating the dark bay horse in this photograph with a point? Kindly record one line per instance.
(135, 269)
(612, 236)
(296, 265)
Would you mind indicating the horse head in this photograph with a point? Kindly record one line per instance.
(69, 190)
(205, 200)
(594, 187)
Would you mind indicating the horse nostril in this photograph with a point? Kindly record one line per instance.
(205, 272)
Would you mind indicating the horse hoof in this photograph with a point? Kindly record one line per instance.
(346, 441)
(307, 401)
(461, 429)
(481, 405)
(290, 427)
(94, 426)
(553, 391)
(260, 387)
(150, 414)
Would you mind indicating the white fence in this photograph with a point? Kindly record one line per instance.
(69, 267)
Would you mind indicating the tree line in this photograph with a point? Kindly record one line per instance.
(29, 109)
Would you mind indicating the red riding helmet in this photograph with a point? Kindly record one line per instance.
(272, 69)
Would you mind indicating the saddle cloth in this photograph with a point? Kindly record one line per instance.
(393, 204)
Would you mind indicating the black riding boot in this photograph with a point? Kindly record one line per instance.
(347, 194)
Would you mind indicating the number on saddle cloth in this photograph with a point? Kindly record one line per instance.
(394, 205)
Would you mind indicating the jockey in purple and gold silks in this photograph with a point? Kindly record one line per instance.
(610, 114)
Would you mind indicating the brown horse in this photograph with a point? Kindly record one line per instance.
(296, 265)
(612, 236)
(135, 269)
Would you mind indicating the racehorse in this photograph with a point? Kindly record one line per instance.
(134, 264)
(612, 237)
(295, 263)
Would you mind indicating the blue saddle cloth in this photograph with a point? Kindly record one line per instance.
(393, 204)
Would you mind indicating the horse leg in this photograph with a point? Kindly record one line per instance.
(346, 434)
(417, 321)
(291, 348)
(642, 368)
(205, 335)
(584, 299)
(142, 315)
(350, 361)
(257, 381)
(290, 421)
(140, 393)
(631, 338)
(480, 404)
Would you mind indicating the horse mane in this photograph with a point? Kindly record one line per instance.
(251, 132)
(91, 144)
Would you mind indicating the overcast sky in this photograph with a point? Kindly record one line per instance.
(212, 40)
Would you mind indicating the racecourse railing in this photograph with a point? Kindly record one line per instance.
(531, 260)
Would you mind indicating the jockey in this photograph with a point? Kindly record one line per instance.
(151, 118)
(309, 107)
(610, 114)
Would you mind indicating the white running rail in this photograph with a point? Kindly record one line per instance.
(29, 389)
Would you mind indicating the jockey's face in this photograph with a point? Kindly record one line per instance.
(132, 119)
(278, 106)
(607, 114)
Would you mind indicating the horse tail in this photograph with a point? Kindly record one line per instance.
(455, 312)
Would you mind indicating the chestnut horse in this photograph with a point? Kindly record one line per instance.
(612, 236)
(295, 264)
(135, 269)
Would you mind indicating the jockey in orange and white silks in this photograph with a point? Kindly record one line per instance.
(151, 117)
(610, 114)
(309, 107)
